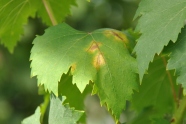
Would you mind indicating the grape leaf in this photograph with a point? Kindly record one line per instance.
(33, 119)
(101, 57)
(59, 114)
(178, 58)
(155, 90)
(160, 22)
(14, 14)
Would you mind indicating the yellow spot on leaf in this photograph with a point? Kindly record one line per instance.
(99, 60)
(118, 36)
(94, 46)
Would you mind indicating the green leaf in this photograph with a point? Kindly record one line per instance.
(75, 99)
(33, 119)
(178, 58)
(160, 121)
(14, 14)
(101, 57)
(143, 117)
(156, 89)
(160, 22)
(132, 37)
(59, 114)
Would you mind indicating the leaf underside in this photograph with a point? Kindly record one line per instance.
(62, 114)
(33, 119)
(14, 15)
(160, 22)
(58, 113)
(101, 57)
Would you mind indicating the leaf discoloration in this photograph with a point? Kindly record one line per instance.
(118, 36)
(99, 61)
(94, 47)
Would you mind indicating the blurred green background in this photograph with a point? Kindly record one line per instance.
(19, 93)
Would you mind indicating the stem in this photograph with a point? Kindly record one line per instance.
(178, 115)
(171, 83)
(49, 11)
(43, 106)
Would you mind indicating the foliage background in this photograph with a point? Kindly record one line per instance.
(19, 93)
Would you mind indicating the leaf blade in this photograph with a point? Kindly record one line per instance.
(156, 90)
(14, 14)
(91, 57)
(165, 18)
(75, 99)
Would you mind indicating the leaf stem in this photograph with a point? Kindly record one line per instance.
(171, 83)
(178, 115)
(43, 106)
(49, 11)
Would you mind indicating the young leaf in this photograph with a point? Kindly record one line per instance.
(178, 58)
(160, 22)
(101, 57)
(33, 119)
(59, 114)
(156, 89)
